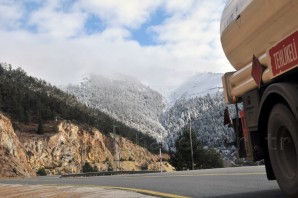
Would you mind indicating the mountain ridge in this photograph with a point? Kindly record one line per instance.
(126, 100)
(198, 85)
(153, 114)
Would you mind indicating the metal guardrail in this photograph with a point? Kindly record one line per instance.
(105, 173)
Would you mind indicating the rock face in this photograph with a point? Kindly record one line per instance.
(69, 149)
(13, 159)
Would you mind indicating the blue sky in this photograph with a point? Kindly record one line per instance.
(160, 42)
(144, 35)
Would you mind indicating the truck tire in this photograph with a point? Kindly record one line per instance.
(283, 148)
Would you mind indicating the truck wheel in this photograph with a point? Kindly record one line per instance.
(283, 148)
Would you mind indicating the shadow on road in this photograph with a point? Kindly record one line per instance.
(261, 194)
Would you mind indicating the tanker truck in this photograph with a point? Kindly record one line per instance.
(260, 40)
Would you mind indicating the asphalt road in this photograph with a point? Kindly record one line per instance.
(226, 182)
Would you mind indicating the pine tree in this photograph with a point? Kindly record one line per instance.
(211, 159)
(87, 168)
(181, 158)
(41, 172)
(40, 129)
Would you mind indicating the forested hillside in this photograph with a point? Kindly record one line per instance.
(123, 98)
(138, 106)
(206, 116)
(30, 100)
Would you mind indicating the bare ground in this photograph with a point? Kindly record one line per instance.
(35, 191)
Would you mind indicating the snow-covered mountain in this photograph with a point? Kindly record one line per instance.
(125, 99)
(129, 101)
(205, 114)
(199, 101)
(198, 85)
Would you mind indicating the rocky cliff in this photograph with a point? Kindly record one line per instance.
(68, 149)
(13, 159)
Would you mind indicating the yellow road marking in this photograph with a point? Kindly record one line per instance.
(148, 192)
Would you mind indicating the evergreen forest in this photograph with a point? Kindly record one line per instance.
(27, 99)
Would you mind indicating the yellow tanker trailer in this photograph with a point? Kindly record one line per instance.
(260, 40)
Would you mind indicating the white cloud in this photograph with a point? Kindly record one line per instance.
(52, 20)
(192, 37)
(197, 26)
(62, 53)
(128, 13)
(10, 12)
(58, 24)
(178, 6)
(114, 34)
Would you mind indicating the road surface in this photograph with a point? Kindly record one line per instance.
(225, 182)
